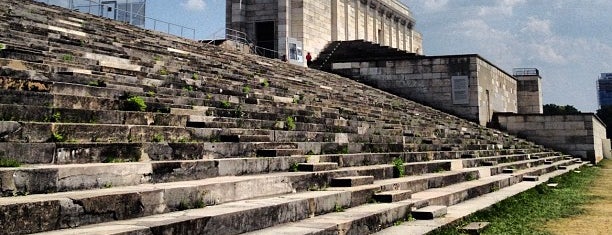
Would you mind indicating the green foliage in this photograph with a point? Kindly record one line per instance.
(2, 46)
(553, 109)
(57, 137)
(158, 138)
(526, 212)
(195, 76)
(470, 176)
(188, 205)
(97, 83)
(5, 162)
(163, 71)
(114, 159)
(605, 114)
(157, 58)
(290, 123)
(67, 57)
(135, 103)
(338, 208)
(294, 167)
(265, 83)
(108, 185)
(150, 93)
(55, 117)
(188, 88)
(226, 104)
(398, 168)
(246, 89)
(344, 150)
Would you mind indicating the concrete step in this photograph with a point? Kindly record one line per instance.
(474, 228)
(320, 166)
(244, 138)
(429, 212)
(352, 181)
(393, 196)
(531, 178)
(279, 152)
(489, 163)
(461, 210)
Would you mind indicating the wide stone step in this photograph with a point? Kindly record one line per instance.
(320, 166)
(393, 196)
(279, 152)
(354, 219)
(461, 210)
(352, 181)
(430, 212)
(244, 138)
(177, 195)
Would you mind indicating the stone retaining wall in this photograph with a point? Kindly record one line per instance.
(429, 80)
(581, 135)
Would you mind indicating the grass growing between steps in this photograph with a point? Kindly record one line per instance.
(526, 212)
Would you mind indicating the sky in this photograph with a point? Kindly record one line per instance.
(569, 41)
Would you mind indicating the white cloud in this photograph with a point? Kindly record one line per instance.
(538, 26)
(435, 5)
(503, 8)
(194, 5)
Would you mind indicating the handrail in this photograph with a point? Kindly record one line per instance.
(242, 38)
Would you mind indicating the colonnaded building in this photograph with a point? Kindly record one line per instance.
(295, 27)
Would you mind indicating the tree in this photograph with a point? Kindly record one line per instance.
(553, 109)
(605, 114)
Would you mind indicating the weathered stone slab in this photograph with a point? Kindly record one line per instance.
(474, 228)
(430, 212)
(352, 181)
(531, 178)
(508, 170)
(322, 166)
(393, 196)
(489, 163)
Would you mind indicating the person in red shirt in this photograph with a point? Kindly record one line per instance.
(308, 59)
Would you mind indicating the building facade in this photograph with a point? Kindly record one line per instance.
(604, 89)
(294, 27)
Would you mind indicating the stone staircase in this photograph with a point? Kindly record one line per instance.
(123, 130)
(356, 50)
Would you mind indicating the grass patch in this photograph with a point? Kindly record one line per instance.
(265, 83)
(67, 57)
(57, 137)
(290, 123)
(4, 162)
(135, 103)
(527, 211)
(398, 168)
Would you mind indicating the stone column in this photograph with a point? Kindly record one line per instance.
(375, 24)
(397, 32)
(404, 36)
(346, 20)
(366, 15)
(356, 7)
(334, 20)
(283, 26)
(381, 14)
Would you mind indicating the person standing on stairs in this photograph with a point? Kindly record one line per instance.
(308, 59)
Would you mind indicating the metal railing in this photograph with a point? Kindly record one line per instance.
(242, 38)
(96, 8)
(526, 72)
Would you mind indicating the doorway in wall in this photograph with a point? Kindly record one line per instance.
(265, 37)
